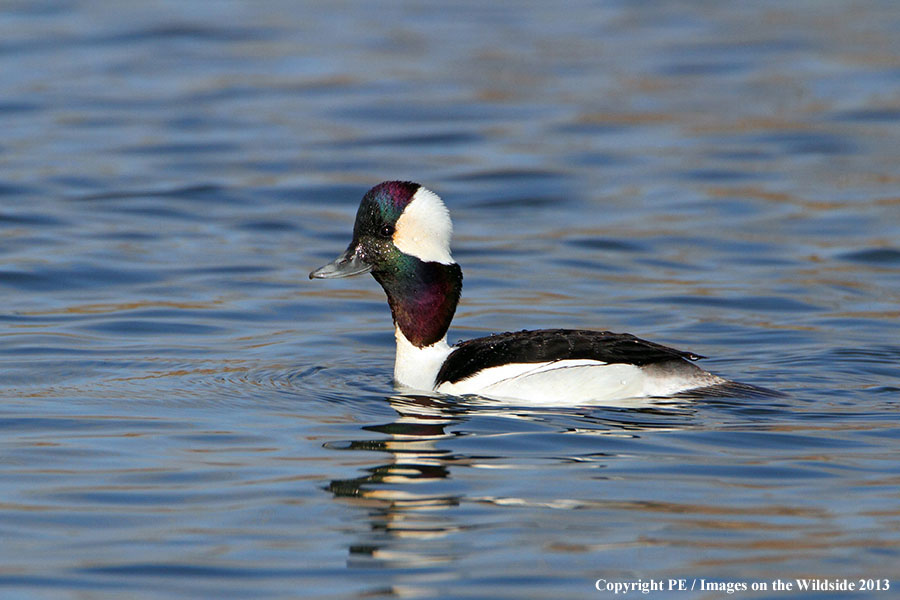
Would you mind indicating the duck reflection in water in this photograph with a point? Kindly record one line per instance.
(400, 497)
(407, 500)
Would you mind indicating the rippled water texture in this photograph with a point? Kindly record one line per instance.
(184, 414)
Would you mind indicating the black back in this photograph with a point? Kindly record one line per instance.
(544, 345)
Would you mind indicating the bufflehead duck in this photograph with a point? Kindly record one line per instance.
(402, 237)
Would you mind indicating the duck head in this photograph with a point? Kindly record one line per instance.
(402, 237)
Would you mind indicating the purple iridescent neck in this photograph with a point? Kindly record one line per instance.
(423, 298)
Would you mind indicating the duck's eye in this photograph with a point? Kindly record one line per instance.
(387, 231)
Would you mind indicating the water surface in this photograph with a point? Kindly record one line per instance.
(184, 414)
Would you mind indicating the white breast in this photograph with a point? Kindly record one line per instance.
(415, 367)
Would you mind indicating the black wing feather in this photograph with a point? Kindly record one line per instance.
(545, 345)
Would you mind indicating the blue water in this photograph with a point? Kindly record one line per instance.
(183, 414)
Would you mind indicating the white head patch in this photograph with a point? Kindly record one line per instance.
(424, 228)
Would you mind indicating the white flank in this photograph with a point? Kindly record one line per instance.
(424, 228)
(569, 382)
(415, 367)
